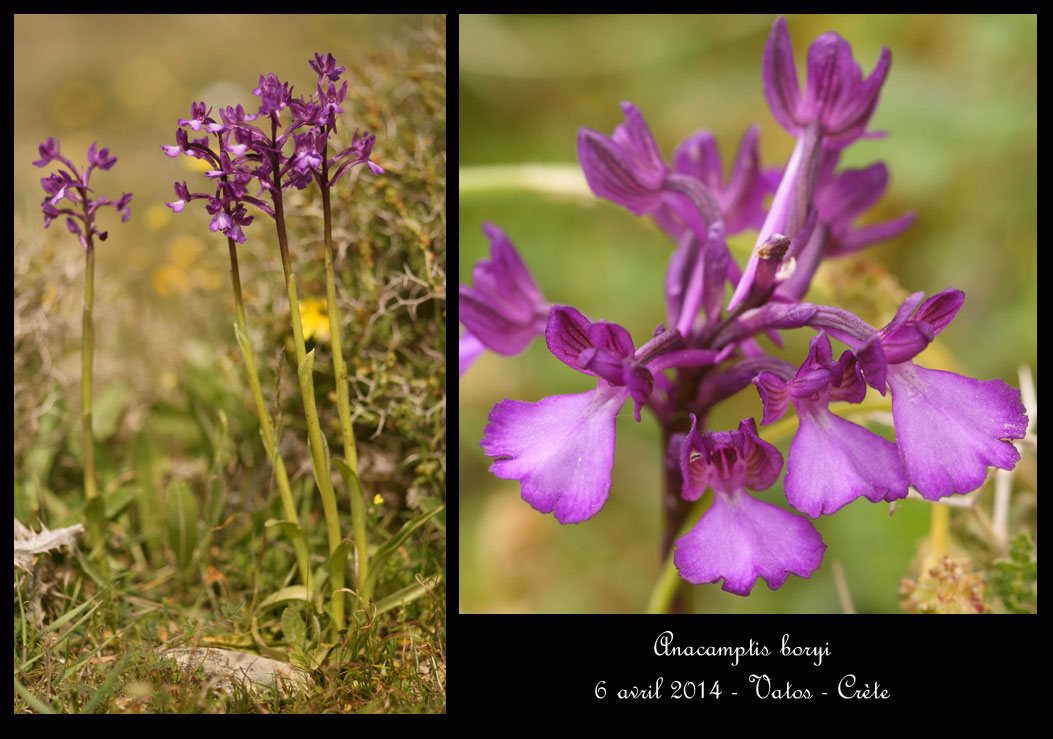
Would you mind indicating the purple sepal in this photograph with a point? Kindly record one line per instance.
(906, 341)
(775, 396)
(741, 198)
(470, 349)
(905, 337)
(567, 336)
(600, 349)
(640, 382)
(940, 309)
(611, 336)
(844, 197)
(852, 388)
(505, 309)
(626, 168)
(872, 363)
(727, 460)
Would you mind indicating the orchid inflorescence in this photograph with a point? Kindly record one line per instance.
(248, 155)
(948, 428)
(71, 185)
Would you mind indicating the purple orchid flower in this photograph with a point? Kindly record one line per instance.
(836, 97)
(833, 113)
(245, 154)
(470, 350)
(740, 198)
(832, 461)
(561, 448)
(740, 538)
(326, 67)
(949, 428)
(505, 310)
(70, 185)
(843, 197)
(626, 168)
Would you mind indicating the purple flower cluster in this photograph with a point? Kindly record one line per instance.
(247, 155)
(948, 428)
(70, 184)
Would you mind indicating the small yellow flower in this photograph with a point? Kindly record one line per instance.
(314, 319)
(378, 499)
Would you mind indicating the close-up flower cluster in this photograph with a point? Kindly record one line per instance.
(721, 322)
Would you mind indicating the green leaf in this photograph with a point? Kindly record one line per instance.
(118, 501)
(221, 453)
(243, 342)
(319, 654)
(38, 704)
(294, 533)
(337, 561)
(108, 685)
(325, 456)
(404, 596)
(95, 510)
(316, 628)
(293, 593)
(149, 503)
(354, 485)
(293, 628)
(379, 559)
(304, 372)
(41, 454)
(181, 518)
(107, 407)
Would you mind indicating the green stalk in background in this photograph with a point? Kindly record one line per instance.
(87, 356)
(94, 509)
(269, 443)
(358, 505)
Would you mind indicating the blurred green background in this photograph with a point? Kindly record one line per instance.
(959, 106)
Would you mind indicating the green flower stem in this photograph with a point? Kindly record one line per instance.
(314, 430)
(939, 536)
(669, 585)
(560, 180)
(299, 543)
(94, 508)
(358, 505)
(87, 355)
